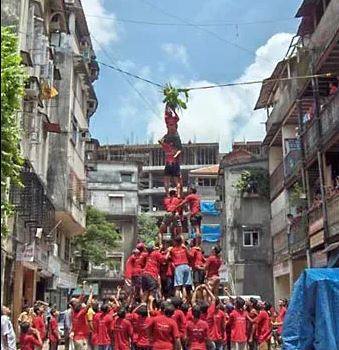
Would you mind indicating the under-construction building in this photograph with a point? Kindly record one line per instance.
(151, 187)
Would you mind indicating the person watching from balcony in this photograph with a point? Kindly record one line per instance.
(333, 88)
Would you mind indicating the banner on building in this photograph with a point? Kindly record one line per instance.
(25, 252)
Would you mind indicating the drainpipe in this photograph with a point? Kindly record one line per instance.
(306, 188)
(315, 87)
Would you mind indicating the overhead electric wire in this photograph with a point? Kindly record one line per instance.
(215, 35)
(211, 24)
(251, 82)
(126, 74)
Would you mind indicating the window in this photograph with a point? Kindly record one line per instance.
(116, 203)
(74, 136)
(126, 177)
(120, 231)
(207, 182)
(250, 238)
(116, 263)
(67, 249)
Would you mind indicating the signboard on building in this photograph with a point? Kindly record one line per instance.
(317, 239)
(25, 252)
(281, 269)
(67, 280)
(223, 273)
(292, 145)
(54, 265)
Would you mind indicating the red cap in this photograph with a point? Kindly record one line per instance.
(140, 246)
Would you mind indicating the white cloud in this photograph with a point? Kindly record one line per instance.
(103, 30)
(227, 114)
(177, 52)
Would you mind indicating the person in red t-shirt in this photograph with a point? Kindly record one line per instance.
(179, 318)
(173, 216)
(151, 273)
(38, 321)
(142, 340)
(129, 270)
(53, 331)
(182, 273)
(166, 272)
(197, 331)
(238, 324)
(263, 327)
(122, 331)
(80, 330)
(212, 270)
(139, 261)
(198, 263)
(102, 323)
(172, 166)
(193, 201)
(29, 337)
(281, 315)
(164, 331)
(216, 321)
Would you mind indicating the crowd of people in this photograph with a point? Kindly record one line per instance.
(205, 322)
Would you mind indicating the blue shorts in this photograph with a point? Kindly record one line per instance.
(182, 276)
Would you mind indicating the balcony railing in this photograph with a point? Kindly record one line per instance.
(333, 215)
(123, 211)
(277, 180)
(292, 163)
(315, 219)
(298, 234)
(329, 119)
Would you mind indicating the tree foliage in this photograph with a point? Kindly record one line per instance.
(147, 228)
(253, 181)
(12, 90)
(100, 237)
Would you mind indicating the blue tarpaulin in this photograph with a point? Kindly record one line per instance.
(210, 233)
(208, 208)
(312, 319)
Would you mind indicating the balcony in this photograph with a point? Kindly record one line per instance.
(279, 223)
(315, 219)
(277, 180)
(316, 134)
(292, 163)
(298, 234)
(333, 215)
(128, 211)
(280, 243)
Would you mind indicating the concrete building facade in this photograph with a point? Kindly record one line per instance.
(245, 220)
(113, 189)
(53, 43)
(302, 136)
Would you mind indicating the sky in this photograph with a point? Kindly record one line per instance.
(187, 43)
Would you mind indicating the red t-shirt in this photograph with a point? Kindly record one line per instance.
(38, 323)
(170, 151)
(129, 268)
(193, 201)
(53, 333)
(180, 319)
(139, 262)
(197, 257)
(141, 329)
(154, 261)
(197, 333)
(28, 342)
(122, 332)
(238, 323)
(164, 331)
(216, 323)
(133, 317)
(189, 315)
(102, 328)
(171, 120)
(179, 255)
(170, 204)
(281, 317)
(263, 326)
(212, 266)
(79, 324)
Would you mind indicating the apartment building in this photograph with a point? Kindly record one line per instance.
(59, 99)
(245, 220)
(302, 136)
(113, 189)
